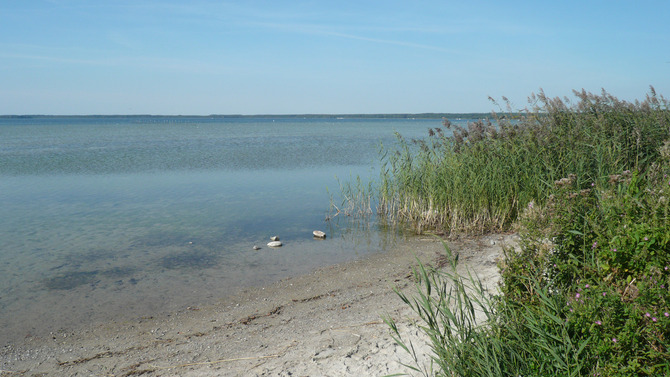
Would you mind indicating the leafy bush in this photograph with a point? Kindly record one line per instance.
(610, 257)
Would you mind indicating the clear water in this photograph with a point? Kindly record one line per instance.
(118, 217)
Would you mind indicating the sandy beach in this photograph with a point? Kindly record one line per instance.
(326, 323)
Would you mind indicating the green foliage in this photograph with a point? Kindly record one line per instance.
(588, 293)
(610, 257)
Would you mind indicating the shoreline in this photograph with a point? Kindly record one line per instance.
(328, 322)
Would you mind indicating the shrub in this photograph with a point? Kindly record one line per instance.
(610, 257)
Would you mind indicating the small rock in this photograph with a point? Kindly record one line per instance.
(274, 238)
(256, 247)
(319, 234)
(274, 244)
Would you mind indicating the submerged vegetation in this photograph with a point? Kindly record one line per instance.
(587, 186)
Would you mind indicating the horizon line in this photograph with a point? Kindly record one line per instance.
(424, 114)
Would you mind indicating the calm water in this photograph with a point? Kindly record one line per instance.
(111, 217)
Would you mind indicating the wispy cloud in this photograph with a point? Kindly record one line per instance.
(388, 41)
(53, 59)
(156, 64)
(340, 23)
(322, 30)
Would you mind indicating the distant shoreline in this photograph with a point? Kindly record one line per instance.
(267, 116)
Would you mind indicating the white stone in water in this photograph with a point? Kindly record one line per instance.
(274, 244)
(319, 234)
(274, 238)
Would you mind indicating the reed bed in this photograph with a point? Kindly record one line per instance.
(477, 179)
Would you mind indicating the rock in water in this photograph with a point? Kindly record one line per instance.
(319, 234)
(274, 238)
(256, 247)
(275, 244)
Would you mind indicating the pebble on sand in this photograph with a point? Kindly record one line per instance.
(274, 238)
(256, 247)
(274, 244)
(319, 234)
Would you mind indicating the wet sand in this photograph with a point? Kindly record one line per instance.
(326, 323)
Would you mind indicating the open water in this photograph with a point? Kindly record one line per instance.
(121, 217)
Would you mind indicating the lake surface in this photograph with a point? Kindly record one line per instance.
(121, 217)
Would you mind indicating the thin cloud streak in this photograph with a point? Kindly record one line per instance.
(170, 65)
(54, 59)
(315, 30)
(391, 42)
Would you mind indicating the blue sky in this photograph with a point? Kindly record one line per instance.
(288, 57)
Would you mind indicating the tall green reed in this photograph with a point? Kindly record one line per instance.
(478, 178)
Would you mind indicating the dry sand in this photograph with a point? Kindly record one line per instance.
(327, 323)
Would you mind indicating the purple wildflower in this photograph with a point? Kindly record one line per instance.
(587, 286)
(598, 323)
(614, 340)
(666, 314)
(577, 295)
(647, 315)
(654, 319)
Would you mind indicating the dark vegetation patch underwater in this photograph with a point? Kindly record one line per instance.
(197, 259)
(70, 280)
(74, 279)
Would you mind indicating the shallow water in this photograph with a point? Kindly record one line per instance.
(120, 217)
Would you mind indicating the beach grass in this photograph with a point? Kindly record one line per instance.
(472, 333)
